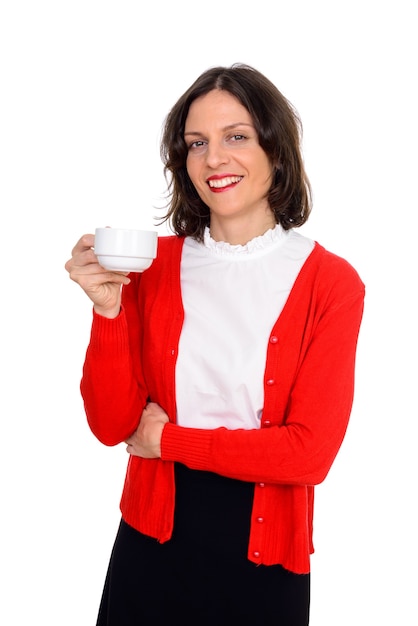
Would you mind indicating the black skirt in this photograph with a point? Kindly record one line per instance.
(201, 576)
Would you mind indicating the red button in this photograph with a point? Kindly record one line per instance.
(270, 382)
(274, 339)
(260, 520)
(256, 554)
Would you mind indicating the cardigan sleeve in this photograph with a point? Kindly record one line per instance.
(112, 384)
(299, 446)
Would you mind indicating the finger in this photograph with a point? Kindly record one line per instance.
(81, 258)
(90, 270)
(86, 256)
(84, 243)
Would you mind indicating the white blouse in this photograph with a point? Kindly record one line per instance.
(232, 296)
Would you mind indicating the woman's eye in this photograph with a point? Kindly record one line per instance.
(237, 137)
(196, 144)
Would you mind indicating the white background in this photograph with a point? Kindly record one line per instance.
(85, 86)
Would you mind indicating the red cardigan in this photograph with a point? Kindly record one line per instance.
(308, 385)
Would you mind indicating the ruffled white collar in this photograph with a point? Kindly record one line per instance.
(270, 239)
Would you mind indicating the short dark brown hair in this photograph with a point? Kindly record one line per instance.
(279, 131)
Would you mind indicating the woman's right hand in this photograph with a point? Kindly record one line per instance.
(102, 287)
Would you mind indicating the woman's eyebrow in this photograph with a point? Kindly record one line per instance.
(229, 127)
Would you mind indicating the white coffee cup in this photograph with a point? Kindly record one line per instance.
(125, 250)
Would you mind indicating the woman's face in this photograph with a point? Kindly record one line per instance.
(225, 162)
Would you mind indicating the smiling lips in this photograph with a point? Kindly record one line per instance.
(220, 184)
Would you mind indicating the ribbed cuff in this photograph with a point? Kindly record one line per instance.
(109, 333)
(190, 446)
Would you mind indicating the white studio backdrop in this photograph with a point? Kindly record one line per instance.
(85, 86)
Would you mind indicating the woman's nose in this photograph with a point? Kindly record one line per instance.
(216, 154)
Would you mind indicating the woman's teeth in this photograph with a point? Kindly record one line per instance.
(224, 182)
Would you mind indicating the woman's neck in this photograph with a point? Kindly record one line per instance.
(240, 232)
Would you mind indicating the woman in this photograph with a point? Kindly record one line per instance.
(227, 368)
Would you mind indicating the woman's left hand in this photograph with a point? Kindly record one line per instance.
(146, 440)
